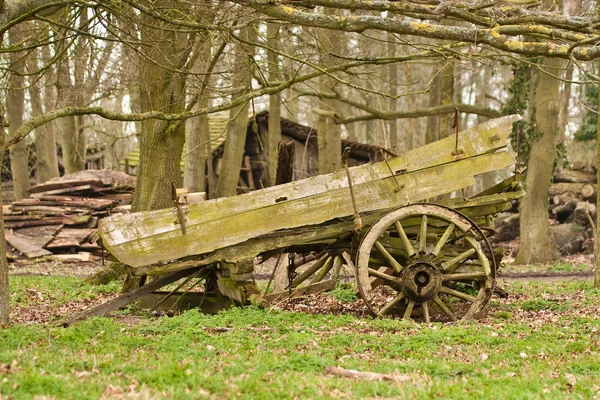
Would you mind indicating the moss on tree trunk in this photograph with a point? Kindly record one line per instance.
(162, 89)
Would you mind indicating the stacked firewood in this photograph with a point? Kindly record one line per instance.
(61, 215)
(571, 210)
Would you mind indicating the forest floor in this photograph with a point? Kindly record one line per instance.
(541, 341)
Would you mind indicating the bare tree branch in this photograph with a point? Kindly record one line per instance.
(502, 38)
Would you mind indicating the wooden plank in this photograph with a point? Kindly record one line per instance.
(135, 240)
(24, 246)
(129, 297)
(49, 209)
(81, 256)
(80, 235)
(44, 230)
(66, 184)
(69, 238)
(73, 189)
(313, 288)
(64, 201)
(22, 217)
(44, 221)
(63, 243)
(290, 237)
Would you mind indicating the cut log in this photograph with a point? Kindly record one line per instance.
(572, 176)
(508, 228)
(588, 191)
(569, 238)
(577, 189)
(563, 211)
(129, 297)
(25, 246)
(584, 213)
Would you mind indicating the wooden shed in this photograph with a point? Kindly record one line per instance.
(306, 152)
(254, 163)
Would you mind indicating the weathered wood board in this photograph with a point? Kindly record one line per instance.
(25, 246)
(51, 186)
(148, 238)
(323, 233)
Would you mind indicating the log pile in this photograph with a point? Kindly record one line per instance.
(61, 215)
(571, 211)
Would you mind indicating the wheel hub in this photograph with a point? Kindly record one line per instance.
(421, 281)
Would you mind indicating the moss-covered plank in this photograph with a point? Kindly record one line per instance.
(165, 243)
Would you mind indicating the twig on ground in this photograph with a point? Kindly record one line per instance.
(373, 376)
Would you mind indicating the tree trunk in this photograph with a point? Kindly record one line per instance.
(233, 152)
(197, 133)
(50, 104)
(396, 143)
(73, 160)
(537, 244)
(274, 135)
(45, 144)
(329, 142)
(15, 107)
(161, 142)
(440, 93)
(4, 287)
(597, 261)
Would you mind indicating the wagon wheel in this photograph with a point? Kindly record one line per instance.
(427, 262)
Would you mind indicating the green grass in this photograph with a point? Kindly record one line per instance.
(559, 267)
(536, 344)
(569, 267)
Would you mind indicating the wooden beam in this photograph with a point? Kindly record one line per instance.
(129, 297)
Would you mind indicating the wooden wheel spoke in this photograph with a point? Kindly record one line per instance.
(451, 265)
(395, 301)
(444, 308)
(465, 276)
(388, 257)
(423, 234)
(485, 263)
(425, 308)
(409, 308)
(390, 280)
(440, 244)
(458, 294)
(405, 242)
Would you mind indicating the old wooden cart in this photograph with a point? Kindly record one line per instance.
(411, 257)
